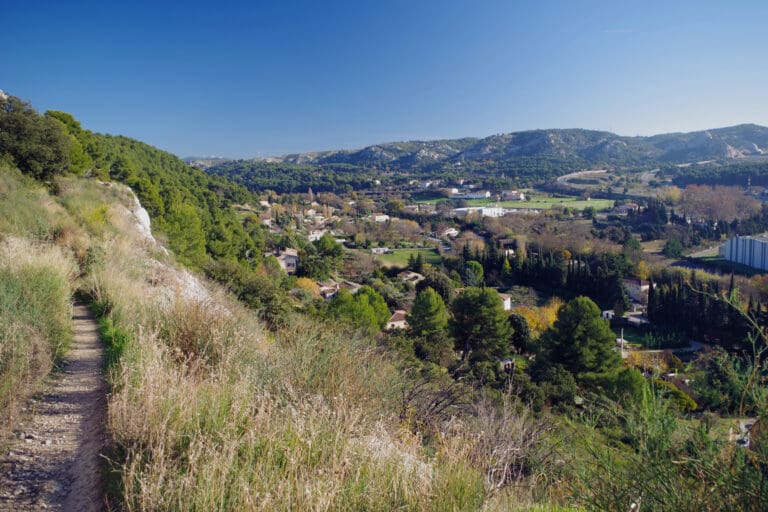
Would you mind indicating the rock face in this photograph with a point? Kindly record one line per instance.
(142, 217)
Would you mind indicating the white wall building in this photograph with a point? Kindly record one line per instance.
(747, 250)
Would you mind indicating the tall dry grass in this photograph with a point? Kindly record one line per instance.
(36, 281)
(211, 412)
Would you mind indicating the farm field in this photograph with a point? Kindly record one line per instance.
(399, 257)
(537, 201)
(545, 203)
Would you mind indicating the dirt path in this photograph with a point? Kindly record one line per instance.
(53, 462)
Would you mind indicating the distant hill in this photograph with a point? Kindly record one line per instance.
(589, 145)
(528, 157)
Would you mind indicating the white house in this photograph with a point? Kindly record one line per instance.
(316, 234)
(397, 320)
(513, 195)
(637, 289)
(506, 301)
(450, 233)
(379, 217)
(380, 250)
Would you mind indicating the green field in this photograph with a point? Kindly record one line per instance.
(545, 203)
(540, 202)
(399, 257)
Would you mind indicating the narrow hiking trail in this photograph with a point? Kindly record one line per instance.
(53, 461)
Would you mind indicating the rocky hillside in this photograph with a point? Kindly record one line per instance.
(587, 145)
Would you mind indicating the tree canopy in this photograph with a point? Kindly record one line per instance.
(428, 324)
(38, 145)
(479, 325)
(580, 341)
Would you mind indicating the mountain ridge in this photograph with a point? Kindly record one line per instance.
(592, 146)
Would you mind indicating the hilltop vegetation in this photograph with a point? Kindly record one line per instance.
(189, 207)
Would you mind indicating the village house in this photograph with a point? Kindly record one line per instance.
(637, 289)
(625, 208)
(380, 250)
(397, 320)
(288, 260)
(506, 301)
(379, 217)
(513, 195)
(316, 234)
(410, 277)
(449, 233)
(328, 291)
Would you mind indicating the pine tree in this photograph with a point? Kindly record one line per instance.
(428, 325)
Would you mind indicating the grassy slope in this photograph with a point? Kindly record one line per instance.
(37, 271)
(211, 413)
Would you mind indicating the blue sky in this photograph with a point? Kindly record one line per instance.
(245, 79)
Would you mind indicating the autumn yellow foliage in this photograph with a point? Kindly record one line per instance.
(540, 318)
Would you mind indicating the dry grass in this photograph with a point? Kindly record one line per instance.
(36, 280)
(210, 412)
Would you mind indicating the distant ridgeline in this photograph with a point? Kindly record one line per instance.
(519, 159)
(189, 206)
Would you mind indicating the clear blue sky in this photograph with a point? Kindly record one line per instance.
(263, 78)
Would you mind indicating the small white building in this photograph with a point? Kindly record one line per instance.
(380, 250)
(449, 233)
(397, 320)
(506, 301)
(608, 314)
(513, 195)
(485, 211)
(316, 234)
(379, 217)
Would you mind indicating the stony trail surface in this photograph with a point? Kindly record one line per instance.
(53, 462)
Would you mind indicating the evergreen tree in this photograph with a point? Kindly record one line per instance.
(479, 325)
(580, 341)
(428, 325)
(439, 282)
(521, 336)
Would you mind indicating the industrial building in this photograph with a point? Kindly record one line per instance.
(747, 250)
